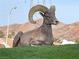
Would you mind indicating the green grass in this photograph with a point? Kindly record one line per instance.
(41, 52)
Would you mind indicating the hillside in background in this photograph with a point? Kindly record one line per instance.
(67, 31)
(60, 31)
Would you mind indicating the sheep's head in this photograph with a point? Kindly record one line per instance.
(48, 14)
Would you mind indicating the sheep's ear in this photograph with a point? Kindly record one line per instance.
(41, 13)
(52, 8)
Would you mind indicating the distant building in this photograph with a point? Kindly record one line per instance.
(63, 42)
(67, 42)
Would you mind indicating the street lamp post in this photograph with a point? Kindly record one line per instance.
(9, 22)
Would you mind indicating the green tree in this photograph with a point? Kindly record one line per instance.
(1, 34)
(11, 34)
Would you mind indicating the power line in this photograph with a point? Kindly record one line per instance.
(51, 2)
(44, 2)
(38, 1)
(31, 3)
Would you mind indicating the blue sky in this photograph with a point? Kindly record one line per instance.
(67, 11)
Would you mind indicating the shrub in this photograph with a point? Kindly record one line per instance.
(11, 34)
(1, 34)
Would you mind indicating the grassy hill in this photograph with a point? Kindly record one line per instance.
(41, 52)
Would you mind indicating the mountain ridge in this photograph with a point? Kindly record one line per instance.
(66, 31)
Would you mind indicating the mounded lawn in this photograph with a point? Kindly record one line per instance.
(41, 52)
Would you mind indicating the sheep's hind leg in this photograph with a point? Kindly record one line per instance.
(16, 40)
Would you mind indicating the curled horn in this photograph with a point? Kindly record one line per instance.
(35, 9)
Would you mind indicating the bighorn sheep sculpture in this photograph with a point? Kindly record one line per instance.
(43, 34)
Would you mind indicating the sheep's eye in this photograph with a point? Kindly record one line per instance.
(48, 17)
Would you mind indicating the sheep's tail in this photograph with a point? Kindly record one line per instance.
(16, 40)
